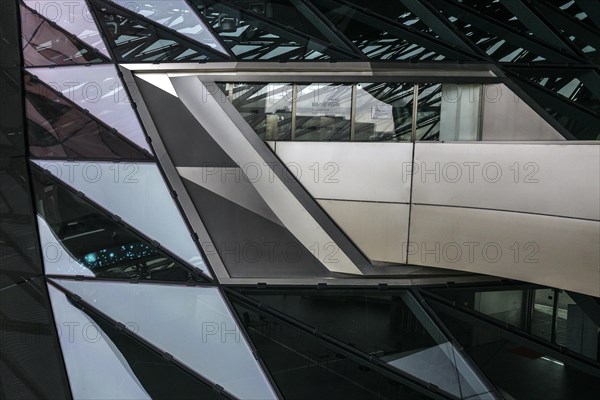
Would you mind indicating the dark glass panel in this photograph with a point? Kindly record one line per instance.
(19, 251)
(398, 11)
(304, 366)
(519, 370)
(581, 86)
(31, 364)
(271, 30)
(135, 39)
(98, 242)
(12, 141)
(57, 128)
(44, 43)
(266, 107)
(9, 32)
(573, 9)
(323, 112)
(578, 120)
(391, 327)
(384, 112)
(500, 43)
(383, 39)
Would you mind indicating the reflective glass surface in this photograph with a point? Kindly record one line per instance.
(134, 39)
(176, 15)
(58, 128)
(393, 328)
(502, 47)
(45, 44)
(193, 324)
(92, 359)
(299, 361)
(19, 249)
(383, 112)
(76, 236)
(12, 141)
(428, 112)
(272, 30)
(73, 16)
(138, 194)
(99, 90)
(379, 38)
(323, 112)
(512, 366)
(266, 107)
(31, 363)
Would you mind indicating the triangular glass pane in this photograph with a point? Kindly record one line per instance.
(299, 360)
(135, 39)
(192, 324)
(392, 327)
(45, 44)
(99, 90)
(118, 357)
(58, 128)
(383, 39)
(77, 236)
(176, 15)
(91, 358)
(138, 194)
(272, 31)
(73, 16)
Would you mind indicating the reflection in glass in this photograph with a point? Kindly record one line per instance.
(575, 329)
(266, 107)
(383, 111)
(292, 355)
(323, 112)
(393, 328)
(75, 236)
(73, 16)
(92, 360)
(99, 90)
(193, 324)
(541, 315)
(428, 112)
(449, 112)
(118, 357)
(381, 39)
(520, 370)
(136, 192)
(135, 40)
(176, 15)
(275, 30)
(45, 44)
(58, 128)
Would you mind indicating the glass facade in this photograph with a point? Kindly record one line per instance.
(153, 247)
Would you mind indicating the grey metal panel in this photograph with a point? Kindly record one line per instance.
(174, 179)
(236, 137)
(554, 179)
(378, 229)
(551, 251)
(507, 117)
(351, 171)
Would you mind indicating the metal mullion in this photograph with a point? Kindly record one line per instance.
(294, 110)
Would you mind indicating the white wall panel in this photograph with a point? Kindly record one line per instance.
(552, 251)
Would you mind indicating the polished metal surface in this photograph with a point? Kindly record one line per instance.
(553, 251)
(507, 117)
(376, 228)
(553, 179)
(351, 171)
